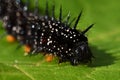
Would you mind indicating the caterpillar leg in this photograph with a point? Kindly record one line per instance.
(49, 57)
(10, 38)
(27, 49)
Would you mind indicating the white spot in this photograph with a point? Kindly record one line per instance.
(58, 48)
(69, 49)
(74, 40)
(82, 47)
(66, 36)
(25, 8)
(49, 49)
(6, 18)
(73, 32)
(43, 24)
(53, 24)
(40, 42)
(42, 34)
(38, 27)
(33, 26)
(74, 61)
(50, 26)
(14, 28)
(48, 39)
(43, 30)
(52, 29)
(71, 37)
(36, 42)
(62, 27)
(49, 22)
(54, 46)
(66, 51)
(49, 42)
(46, 17)
(56, 30)
(56, 24)
(62, 33)
(67, 30)
(29, 33)
(52, 19)
(74, 35)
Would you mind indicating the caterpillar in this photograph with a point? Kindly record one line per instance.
(45, 34)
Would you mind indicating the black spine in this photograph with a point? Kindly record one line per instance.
(78, 18)
(46, 10)
(87, 29)
(60, 15)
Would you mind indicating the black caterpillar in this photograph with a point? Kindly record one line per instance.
(46, 33)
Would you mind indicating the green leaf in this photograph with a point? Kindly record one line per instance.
(104, 39)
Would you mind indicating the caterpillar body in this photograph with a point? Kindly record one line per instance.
(45, 33)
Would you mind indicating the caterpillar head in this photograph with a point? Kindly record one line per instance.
(81, 52)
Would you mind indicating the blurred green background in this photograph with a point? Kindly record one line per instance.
(104, 40)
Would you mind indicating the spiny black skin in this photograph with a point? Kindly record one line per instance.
(5, 6)
(52, 36)
(49, 35)
(15, 19)
(10, 18)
